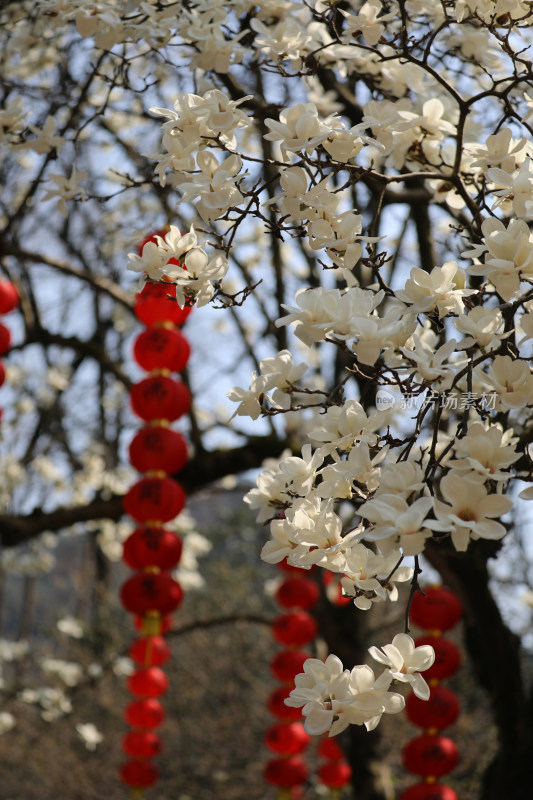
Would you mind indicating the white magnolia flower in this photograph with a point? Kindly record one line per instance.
(469, 511)
(215, 186)
(343, 426)
(369, 577)
(67, 188)
(7, 722)
(90, 734)
(499, 150)
(482, 327)
(406, 661)
(70, 626)
(367, 22)
(299, 129)
(430, 364)
(333, 698)
(517, 191)
(508, 255)
(45, 138)
(249, 400)
(281, 374)
(485, 452)
(442, 288)
(68, 671)
(300, 473)
(512, 380)
(397, 523)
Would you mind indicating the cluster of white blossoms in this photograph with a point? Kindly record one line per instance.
(182, 259)
(331, 698)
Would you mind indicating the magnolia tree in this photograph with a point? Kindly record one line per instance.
(348, 186)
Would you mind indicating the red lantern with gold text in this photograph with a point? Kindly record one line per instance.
(151, 594)
(432, 755)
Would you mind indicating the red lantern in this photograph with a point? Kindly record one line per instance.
(157, 303)
(335, 775)
(161, 348)
(439, 610)
(151, 651)
(144, 713)
(5, 339)
(297, 629)
(2, 373)
(285, 772)
(447, 657)
(276, 705)
(160, 397)
(152, 547)
(429, 791)
(440, 711)
(287, 739)
(148, 682)
(9, 297)
(430, 755)
(141, 744)
(138, 774)
(157, 448)
(297, 593)
(154, 499)
(330, 749)
(288, 663)
(146, 592)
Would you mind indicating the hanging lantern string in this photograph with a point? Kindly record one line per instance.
(432, 755)
(157, 452)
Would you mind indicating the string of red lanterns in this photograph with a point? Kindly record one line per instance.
(432, 755)
(293, 628)
(151, 594)
(9, 300)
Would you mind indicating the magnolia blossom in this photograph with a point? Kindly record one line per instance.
(90, 734)
(508, 255)
(215, 187)
(430, 363)
(397, 523)
(369, 577)
(7, 722)
(359, 467)
(45, 138)
(300, 473)
(436, 289)
(281, 374)
(499, 150)
(331, 698)
(299, 129)
(367, 22)
(343, 426)
(469, 511)
(484, 452)
(406, 662)
(67, 188)
(517, 191)
(249, 400)
(482, 327)
(512, 381)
